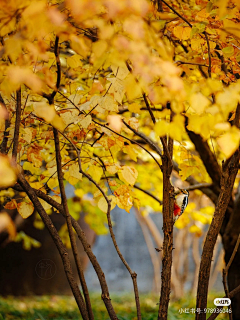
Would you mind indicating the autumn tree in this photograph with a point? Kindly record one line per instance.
(114, 98)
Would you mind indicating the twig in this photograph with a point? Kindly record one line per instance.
(209, 55)
(178, 14)
(132, 141)
(192, 63)
(152, 144)
(149, 108)
(149, 194)
(17, 124)
(69, 225)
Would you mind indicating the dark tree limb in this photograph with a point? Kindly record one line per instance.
(168, 239)
(227, 181)
(208, 158)
(58, 242)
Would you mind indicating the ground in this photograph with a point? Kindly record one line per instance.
(65, 308)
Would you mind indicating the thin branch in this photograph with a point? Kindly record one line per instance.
(149, 108)
(209, 55)
(149, 194)
(56, 52)
(69, 225)
(152, 144)
(178, 14)
(132, 141)
(17, 124)
(191, 63)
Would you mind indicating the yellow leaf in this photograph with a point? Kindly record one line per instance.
(70, 116)
(124, 198)
(58, 123)
(46, 206)
(95, 172)
(108, 103)
(120, 71)
(74, 61)
(199, 102)
(44, 110)
(182, 33)
(161, 128)
(229, 142)
(25, 209)
(195, 229)
(129, 149)
(7, 172)
(115, 122)
(134, 107)
(128, 175)
(133, 89)
(27, 135)
(99, 48)
(18, 75)
(79, 193)
(57, 198)
(85, 122)
(102, 203)
(53, 183)
(197, 44)
(74, 171)
(117, 88)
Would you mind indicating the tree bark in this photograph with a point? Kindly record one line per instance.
(227, 181)
(168, 203)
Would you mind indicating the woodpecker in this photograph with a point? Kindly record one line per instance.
(180, 204)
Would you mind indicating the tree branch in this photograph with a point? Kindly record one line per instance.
(227, 181)
(69, 225)
(58, 242)
(17, 124)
